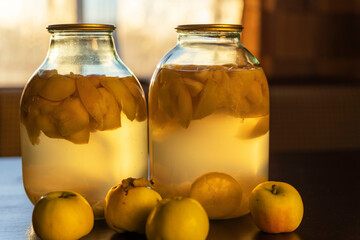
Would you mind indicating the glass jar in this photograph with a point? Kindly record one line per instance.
(209, 120)
(83, 117)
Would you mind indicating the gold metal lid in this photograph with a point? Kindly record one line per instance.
(210, 27)
(81, 27)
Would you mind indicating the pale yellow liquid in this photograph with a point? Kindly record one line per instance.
(216, 143)
(89, 169)
(207, 119)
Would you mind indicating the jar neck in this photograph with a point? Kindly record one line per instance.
(217, 37)
(80, 46)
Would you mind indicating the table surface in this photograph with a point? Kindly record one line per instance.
(327, 181)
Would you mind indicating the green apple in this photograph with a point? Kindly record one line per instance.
(276, 207)
(62, 216)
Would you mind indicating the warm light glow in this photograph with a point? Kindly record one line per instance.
(146, 28)
(10, 13)
(24, 40)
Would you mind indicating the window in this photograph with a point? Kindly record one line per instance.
(145, 29)
(24, 39)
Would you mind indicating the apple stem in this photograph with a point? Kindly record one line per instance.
(273, 189)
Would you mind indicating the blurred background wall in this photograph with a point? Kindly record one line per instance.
(308, 49)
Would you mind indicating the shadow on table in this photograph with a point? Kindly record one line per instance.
(281, 236)
(234, 229)
(242, 228)
(99, 232)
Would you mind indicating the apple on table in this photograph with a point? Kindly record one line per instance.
(62, 215)
(276, 207)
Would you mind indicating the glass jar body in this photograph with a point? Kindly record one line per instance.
(83, 120)
(209, 122)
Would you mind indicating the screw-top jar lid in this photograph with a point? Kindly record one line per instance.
(81, 27)
(210, 27)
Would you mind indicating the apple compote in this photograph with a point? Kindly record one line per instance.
(208, 118)
(82, 133)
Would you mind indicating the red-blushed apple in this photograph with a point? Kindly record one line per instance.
(276, 207)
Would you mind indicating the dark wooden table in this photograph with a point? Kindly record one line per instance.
(327, 181)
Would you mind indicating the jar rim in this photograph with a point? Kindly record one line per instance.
(210, 27)
(80, 27)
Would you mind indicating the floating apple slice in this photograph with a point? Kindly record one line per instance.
(28, 118)
(259, 96)
(44, 120)
(255, 93)
(240, 82)
(237, 85)
(81, 137)
(71, 116)
(261, 78)
(95, 79)
(169, 85)
(165, 98)
(260, 75)
(112, 118)
(57, 88)
(201, 74)
(38, 117)
(33, 132)
(256, 128)
(165, 102)
(184, 107)
(157, 115)
(134, 87)
(32, 89)
(193, 86)
(169, 75)
(48, 126)
(261, 128)
(93, 125)
(208, 101)
(153, 98)
(91, 99)
(141, 110)
(122, 95)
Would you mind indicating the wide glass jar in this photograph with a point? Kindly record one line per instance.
(209, 120)
(83, 117)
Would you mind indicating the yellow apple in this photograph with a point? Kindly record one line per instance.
(62, 215)
(127, 205)
(276, 207)
(177, 219)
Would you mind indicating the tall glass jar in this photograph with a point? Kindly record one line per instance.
(209, 120)
(83, 117)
